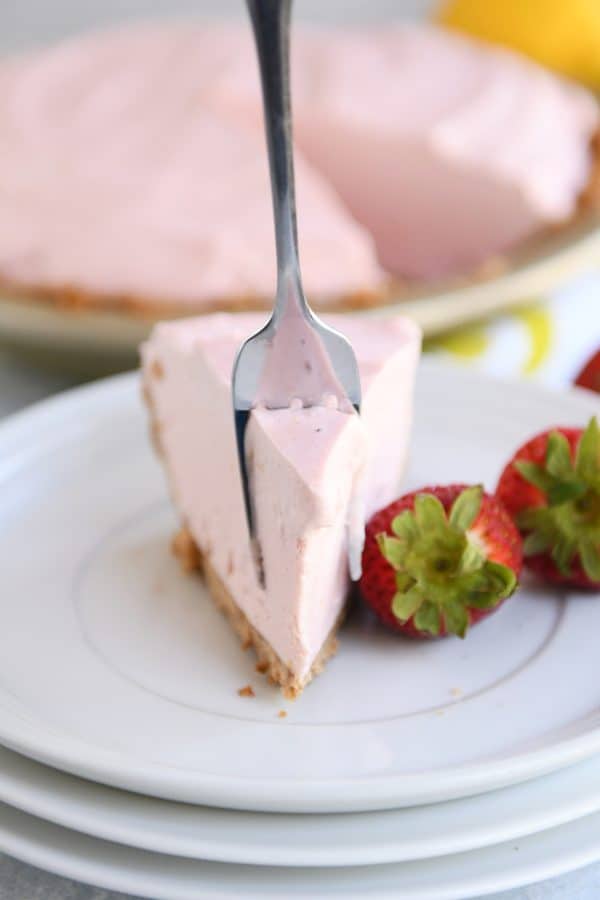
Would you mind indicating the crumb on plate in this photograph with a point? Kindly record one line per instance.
(247, 691)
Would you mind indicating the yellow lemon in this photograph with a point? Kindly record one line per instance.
(561, 34)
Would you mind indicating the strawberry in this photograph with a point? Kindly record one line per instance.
(440, 559)
(551, 488)
(589, 377)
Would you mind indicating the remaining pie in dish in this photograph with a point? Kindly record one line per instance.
(133, 173)
(447, 150)
(311, 470)
(122, 184)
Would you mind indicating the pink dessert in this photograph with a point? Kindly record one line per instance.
(133, 170)
(311, 470)
(119, 180)
(449, 151)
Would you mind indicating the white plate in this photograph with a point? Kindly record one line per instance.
(287, 840)
(113, 667)
(103, 340)
(153, 875)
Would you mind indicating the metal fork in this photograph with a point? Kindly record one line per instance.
(295, 357)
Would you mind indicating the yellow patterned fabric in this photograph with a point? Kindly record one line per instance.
(547, 339)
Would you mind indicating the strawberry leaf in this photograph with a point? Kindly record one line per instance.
(405, 526)
(466, 507)
(587, 460)
(493, 583)
(405, 605)
(392, 549)
(503, 579)
(590, 560)
(456, 618)
(532, 518)
(534, 474)
(404, 581)
(428, 618)
(429, 513)
(563, 491)
(563, 552)
(558, 456)
(536, 542)
(472, 558)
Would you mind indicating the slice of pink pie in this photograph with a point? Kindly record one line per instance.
(311, 471)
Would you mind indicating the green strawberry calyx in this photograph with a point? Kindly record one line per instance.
(569, 525)
(442, 570)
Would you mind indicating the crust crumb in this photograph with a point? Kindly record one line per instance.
(185, 550)
(247, 691)
(157, 369)
(281, 714)
(493, 266)
(262, 666)
(291, 692)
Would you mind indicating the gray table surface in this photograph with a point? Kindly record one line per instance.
(21, 882)
(20, 385)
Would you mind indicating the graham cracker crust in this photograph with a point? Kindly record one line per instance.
(268, 662)
(73, 299)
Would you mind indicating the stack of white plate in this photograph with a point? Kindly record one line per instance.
(130, 760)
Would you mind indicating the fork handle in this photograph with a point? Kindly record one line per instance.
(271, 25)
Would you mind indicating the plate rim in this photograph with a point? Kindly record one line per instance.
(368, 793)
(115, 867)
(40, 792)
